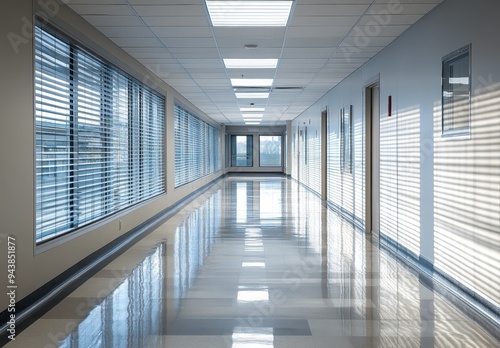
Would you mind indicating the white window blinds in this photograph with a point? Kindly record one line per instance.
(197, 147)
(99, 138)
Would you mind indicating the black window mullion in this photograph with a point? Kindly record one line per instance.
(131, 160)
(140, 143)
(73, 124)
(106, 127)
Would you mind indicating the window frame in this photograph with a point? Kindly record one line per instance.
(234, 151)
(465, 53)
(280, 165)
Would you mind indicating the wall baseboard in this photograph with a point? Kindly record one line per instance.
(33, 306)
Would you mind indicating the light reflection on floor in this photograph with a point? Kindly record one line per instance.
(254, 262)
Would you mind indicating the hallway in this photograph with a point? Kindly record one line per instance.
(254, 262)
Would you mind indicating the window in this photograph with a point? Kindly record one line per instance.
(99, 137)
(346, 139)
(227, 147)
(197, 147)
(241, 151)
(270, 151)
(456, 93)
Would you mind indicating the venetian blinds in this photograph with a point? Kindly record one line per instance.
(197, 147)
(99, 138)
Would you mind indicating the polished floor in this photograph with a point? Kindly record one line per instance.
(254, 262)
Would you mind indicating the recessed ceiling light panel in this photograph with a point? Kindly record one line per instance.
(252, 109)
(249, 13)
(252, 95)
(252, 115)
(252, 82)
(250, 63)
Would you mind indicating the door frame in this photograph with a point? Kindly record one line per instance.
(370, 161)
(324, 155)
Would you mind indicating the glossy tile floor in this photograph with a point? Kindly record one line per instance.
(254, 262)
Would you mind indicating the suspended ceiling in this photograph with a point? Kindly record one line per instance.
(323, 42)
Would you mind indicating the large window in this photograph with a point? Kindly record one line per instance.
(270, 150)
(241, 151)
(99, 137)
(197, 147)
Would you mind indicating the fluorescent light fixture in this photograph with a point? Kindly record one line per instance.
(252, 109)
(252, 82)
(249, 13)
(250, 63)
(253, 123)
(252, 115)
(252, 95)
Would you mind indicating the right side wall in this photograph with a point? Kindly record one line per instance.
(439, 199)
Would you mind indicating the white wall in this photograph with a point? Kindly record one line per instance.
(440, 199)
(35, 266)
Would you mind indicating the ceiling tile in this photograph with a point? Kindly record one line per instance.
(190, 52)
(298, 21)
(315, 31)
(146, 54)
(176, 21)
(330, 10)
(313, 42)
(301, 63)
(101, 9)
(137, 42)
(171, 10)
(401, 8)
(113, 21)
(193, 32)
(188, 42)
(307, 52)
(126, 31)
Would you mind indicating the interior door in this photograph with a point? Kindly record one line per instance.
(375, 158)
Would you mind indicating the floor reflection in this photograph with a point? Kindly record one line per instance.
(255, 262)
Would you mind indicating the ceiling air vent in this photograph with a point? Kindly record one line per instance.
(288, 88)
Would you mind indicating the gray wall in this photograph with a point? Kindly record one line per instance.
(36, 266)
(439, 198)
